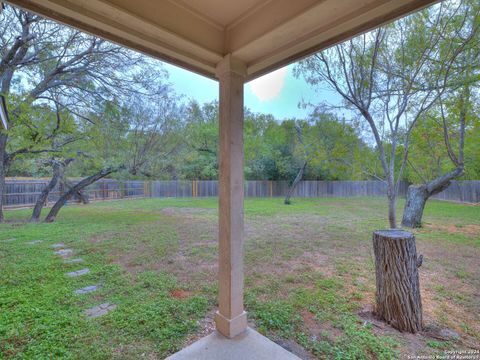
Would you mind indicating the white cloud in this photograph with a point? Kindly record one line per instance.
(269, 86)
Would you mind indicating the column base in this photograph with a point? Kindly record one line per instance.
(248, 345)
(231, 327)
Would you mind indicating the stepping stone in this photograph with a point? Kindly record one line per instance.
(65, 253)
(86, 290)
(73, 261)
(78, 272)
(58, 246)
(99, 310)
(449, 334)
(34, 242)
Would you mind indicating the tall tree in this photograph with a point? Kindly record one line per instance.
(133, 137)
(52, 214)
(337, 149)
(43, 63)
(58, 167)
(453, 125)
(392, 76)
(301, 170)
(452, 114)
(201, 141)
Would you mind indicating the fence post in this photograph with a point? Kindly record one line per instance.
(194, 188)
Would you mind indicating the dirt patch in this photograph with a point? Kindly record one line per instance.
(131, 351)
(295, 349)
(180, 294)
(471, 230)
(107, 235)
(319, 329)
(206, 327)
(187, 211)
(412, 344)
(289, 251)
(320, 263)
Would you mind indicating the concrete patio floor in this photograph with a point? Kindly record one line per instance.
(249, 345)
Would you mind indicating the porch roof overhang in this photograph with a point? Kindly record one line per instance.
(197, 34)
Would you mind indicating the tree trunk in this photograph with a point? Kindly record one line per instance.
(79, 195)
(398, 300)
(392, 211)
(295, 183)
(392, 200)
(42, 199)
(75, 189)
(2, 191)
(3, 171)
(417, 196)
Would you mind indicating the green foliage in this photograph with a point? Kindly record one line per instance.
(274, 316)
(428, 153)
(396, 76)
(434, 344)
(272, 148)
(42, 318)
(198, 158)
(336, 150)
(71, 95)
(326, 304)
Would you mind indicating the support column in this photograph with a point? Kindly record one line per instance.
(231, 319)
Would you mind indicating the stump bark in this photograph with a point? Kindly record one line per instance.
(398, 300)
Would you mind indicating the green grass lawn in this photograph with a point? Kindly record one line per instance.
(309, 278)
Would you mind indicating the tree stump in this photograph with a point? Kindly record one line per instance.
(398, 299)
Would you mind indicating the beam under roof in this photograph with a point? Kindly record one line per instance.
(197, 34)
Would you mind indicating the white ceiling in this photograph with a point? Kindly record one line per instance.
(222, 13)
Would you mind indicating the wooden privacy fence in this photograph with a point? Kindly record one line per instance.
(467, 191)
(266, 188)
(25, 192)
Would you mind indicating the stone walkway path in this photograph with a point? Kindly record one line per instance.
(66, 254)
(99, 310)
(34, 242)
(73, 261)
(87, 289)
(78, 272)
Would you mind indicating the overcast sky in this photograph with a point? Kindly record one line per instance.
(278, 93)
